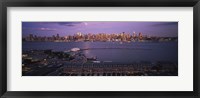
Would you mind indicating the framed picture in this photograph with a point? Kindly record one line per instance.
(85, 48)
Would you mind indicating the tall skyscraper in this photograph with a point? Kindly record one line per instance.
(140, 36)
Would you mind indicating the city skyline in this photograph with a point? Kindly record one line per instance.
(162, 29)
(100, 48)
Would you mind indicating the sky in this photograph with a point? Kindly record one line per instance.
(161, 29)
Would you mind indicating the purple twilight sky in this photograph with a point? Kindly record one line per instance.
(162, 29)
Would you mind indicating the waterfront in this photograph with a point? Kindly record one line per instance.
(110, 58)
(127, 52)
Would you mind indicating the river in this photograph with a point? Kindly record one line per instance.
(115, 51)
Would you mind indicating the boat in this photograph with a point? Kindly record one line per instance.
(96, 61)
(92, 58)
(75, 49)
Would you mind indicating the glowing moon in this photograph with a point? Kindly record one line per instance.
(86, 23)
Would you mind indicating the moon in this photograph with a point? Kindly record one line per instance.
(86, 23)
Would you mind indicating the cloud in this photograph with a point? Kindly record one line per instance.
(68, 23)
(47, 29)
(40, 29)
(165, 24)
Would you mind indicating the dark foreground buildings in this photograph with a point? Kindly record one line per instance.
(74, 63)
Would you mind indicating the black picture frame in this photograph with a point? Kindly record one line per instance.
(100, 3)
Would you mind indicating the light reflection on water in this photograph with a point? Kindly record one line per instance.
(116, 51)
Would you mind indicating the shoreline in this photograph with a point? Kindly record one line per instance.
(49, 63)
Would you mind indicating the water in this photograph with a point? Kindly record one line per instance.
(115, 51)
